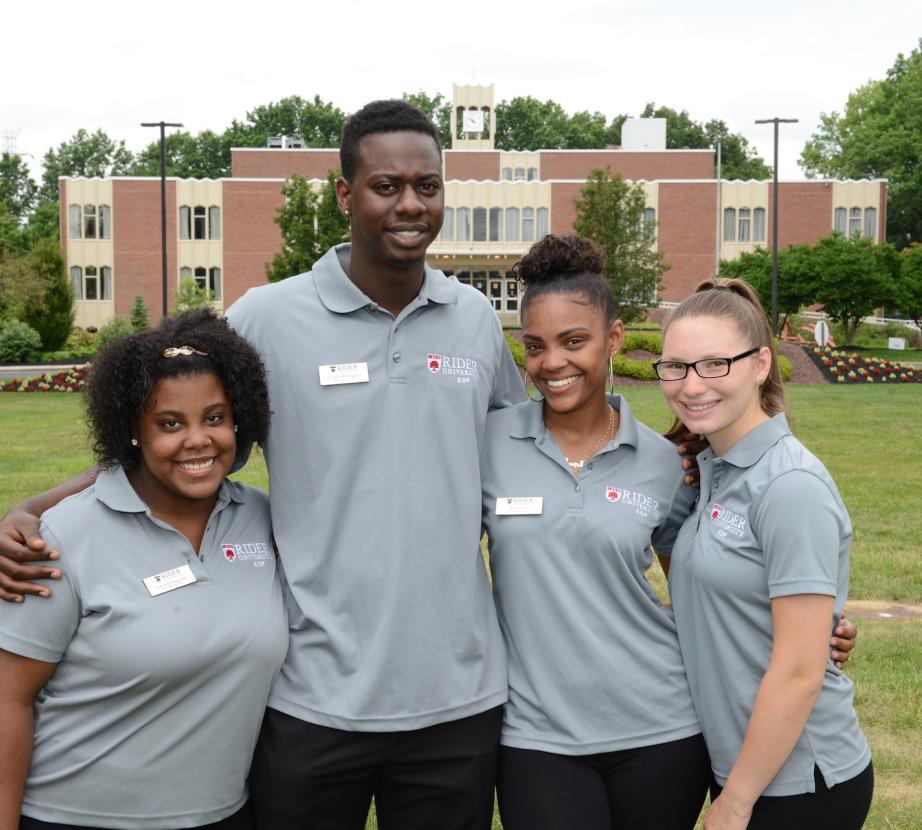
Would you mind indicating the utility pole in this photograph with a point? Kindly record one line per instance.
(776, 121)
(162, 125)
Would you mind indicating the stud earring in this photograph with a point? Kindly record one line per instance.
(235, 427)
(347, 213)
(134, 442)
(527, 384)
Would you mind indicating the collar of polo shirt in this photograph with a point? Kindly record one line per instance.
(755, 443)
(115, 491)
(529, 422)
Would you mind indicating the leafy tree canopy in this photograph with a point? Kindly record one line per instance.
(610, 213)
(909, 294)
(310, 222)
(202, 156)
(438, 108)
(318, 122)
(879, 135)
(16, 186)
(85, 154)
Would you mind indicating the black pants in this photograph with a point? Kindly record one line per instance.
(241, 820)
(309, 777)
(844, 807)
(659, 787)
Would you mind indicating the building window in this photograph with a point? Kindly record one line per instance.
(544, 222)
(519, 174)
(649, 224)
(448, 225)
(532, 174)
(464, 224)
(198, 223)
(105, 283)
(838, 221)
(214, 280)
(730, 225)
(74, 219)
(506, 174)
(758, 225)
(480, 224)
(745, 224)
(90, 283)
(105, 222)
(76, 281)
(854, 222)
(89, 223)
(512, 224)
(185, 222)
(496, 220)
(870, 222)
(214, 222)
(528, 224)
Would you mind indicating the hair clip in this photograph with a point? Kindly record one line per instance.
(185, 351)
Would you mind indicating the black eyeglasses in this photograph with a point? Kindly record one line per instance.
(708, 367)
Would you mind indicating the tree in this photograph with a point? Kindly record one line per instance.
(19, 285)
(202, 156)
(138, 314)
(85, 154)
(12, 238)
(16, 186)
(529, 124)
(44, 222)
(318, 122)
(610, 213)
(310, 222)
(909, 292)
(738, 159)
(796, 277)
(437, 108)
(853, 278)
(879, 135)
(53, 317)
(191, 295)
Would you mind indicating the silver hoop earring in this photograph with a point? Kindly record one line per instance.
(611, 374)
(540, 396)
(134, 442)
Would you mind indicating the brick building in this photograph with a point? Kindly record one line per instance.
(222, 232)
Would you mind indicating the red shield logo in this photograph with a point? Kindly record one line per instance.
(229, 553)
(434, 362)
(715, 511)
(613, 494)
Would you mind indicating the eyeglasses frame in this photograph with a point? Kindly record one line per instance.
(694, 365)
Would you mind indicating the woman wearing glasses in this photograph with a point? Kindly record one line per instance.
(758, 579)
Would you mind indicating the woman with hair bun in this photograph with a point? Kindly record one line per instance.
(132, 697)
(600, 730)
(758, 580)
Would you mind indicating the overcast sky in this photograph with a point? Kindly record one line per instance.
(112, 65)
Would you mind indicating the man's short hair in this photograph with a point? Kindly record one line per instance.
(381, 117)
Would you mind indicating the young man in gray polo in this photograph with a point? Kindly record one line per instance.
(381, 372)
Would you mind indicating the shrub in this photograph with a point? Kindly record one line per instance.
(785, 368)
(648, 341)
(18, 341)
(630, 368)
(138, 315)
(81, 340)
(117, 327)
(517, 349)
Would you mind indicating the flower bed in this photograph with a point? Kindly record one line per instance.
(851, 367)
(67, 380)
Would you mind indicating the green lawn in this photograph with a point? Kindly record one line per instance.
(867, 437)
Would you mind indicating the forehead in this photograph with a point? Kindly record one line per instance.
(406, 152)
(560, 311)
(705, 336)
(187, 391)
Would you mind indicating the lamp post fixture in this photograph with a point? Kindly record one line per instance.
(776, 121)
(162, 125)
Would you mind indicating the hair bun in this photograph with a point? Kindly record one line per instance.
(556, 257)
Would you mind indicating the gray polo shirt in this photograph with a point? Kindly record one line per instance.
(375, 493)
(594, 663)
(770, 523)
(151, 716)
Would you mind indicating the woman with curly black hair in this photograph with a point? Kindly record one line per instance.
(132, 697)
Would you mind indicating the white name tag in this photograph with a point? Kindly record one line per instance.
(337, 373)
(520, 506)
(169, 580)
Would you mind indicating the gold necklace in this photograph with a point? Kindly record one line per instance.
(576, 466)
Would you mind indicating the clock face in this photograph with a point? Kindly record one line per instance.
(472, 121)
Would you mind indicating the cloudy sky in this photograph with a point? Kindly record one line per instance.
(112, 65)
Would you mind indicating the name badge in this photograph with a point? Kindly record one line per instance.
(520, 506)
(338, 373)
(169, 580)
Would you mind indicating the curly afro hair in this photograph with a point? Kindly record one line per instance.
(566, 264)
(125, 372)
(392, 116)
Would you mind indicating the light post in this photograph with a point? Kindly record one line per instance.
(776, 121)
(162, 125)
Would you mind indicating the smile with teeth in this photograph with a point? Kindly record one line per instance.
(700, 407)
(408, 234)
(562, 382)
(196, 466)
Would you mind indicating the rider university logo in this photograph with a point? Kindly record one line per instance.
(229, 553)
(612, 493)
(435, 363)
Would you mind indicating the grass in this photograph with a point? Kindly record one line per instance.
(893, 355)
(866, 436)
